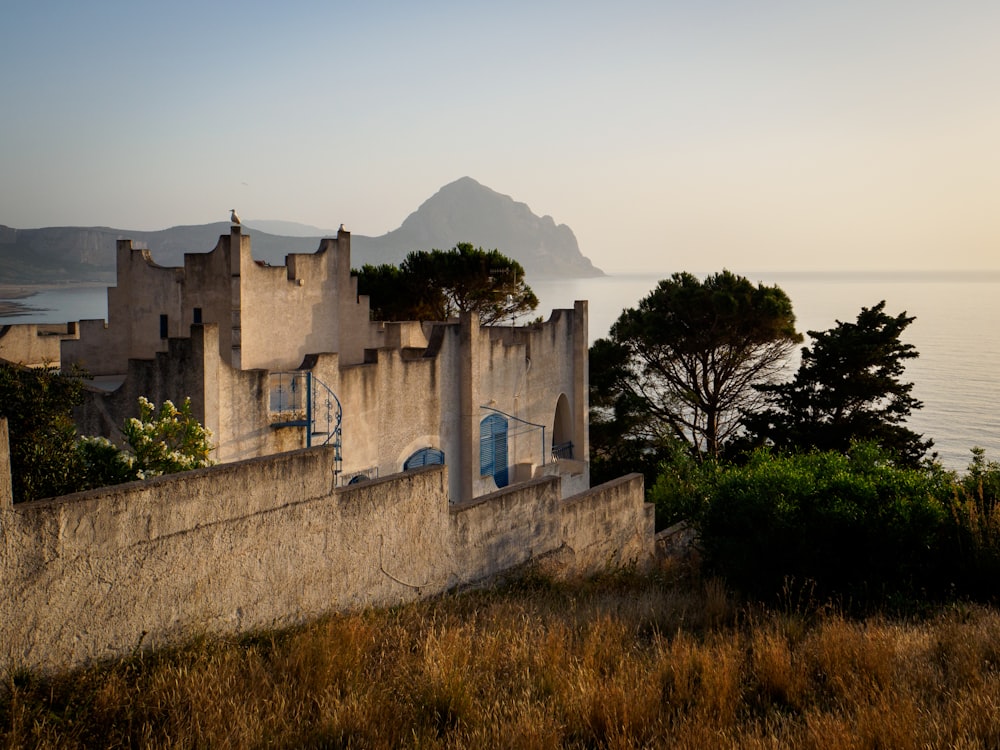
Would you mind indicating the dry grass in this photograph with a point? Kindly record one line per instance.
(617, 662)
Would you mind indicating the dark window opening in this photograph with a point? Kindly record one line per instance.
(163, 326)
(197, 315)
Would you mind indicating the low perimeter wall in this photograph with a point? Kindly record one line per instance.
(270, 542)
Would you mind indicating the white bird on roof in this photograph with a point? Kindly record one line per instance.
(233, 216)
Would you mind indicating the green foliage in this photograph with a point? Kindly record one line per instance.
(847, 389)
(855, 523)
(437, 285)
(683, 363)
(49, 459)
(982, 478)
(679, 490)
(975, 523)
(38, 405)
(167, 440)
(396, 295)
(623, 438)
(103, 464)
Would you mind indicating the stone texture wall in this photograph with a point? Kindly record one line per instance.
(270, 541)
(34, 345)
(144, 292)
(268, 316)
(6, 485)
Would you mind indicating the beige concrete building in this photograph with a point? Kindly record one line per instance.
(34, 344)
(284, 357)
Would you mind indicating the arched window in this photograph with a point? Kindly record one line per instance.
(424, 457)
(562, 429)
(493, 449)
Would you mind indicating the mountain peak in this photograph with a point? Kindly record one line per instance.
(464, 183)
(467, 211)
(461, 211)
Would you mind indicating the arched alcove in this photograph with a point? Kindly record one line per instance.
(562, 429)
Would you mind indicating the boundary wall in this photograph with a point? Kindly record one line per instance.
(271, 542)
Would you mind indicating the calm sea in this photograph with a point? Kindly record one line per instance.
(957, 375)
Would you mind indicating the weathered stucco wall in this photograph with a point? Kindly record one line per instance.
(6, 487)
(209, 287)
(143, 293)
(392, 407)
(33, 344)
(268, 316)
(605, 526)
(233, 404)
(271, 541)
(403, 386)
(397, 402)
(288, 311)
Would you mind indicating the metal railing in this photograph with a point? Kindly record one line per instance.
(298, 399)
(562, 450)
(286, 395)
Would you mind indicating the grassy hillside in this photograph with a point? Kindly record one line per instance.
(620, 661)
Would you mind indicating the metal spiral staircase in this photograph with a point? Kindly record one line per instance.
(299, 399)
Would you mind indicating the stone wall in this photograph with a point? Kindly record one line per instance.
(6, 485)
(33, 344)
(271, 541)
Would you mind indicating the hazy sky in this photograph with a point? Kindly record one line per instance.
(668, 135)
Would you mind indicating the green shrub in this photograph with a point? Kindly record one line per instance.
(682, 485)
(167, 440)
(974, 526)
(38, 405)
(854, 524)
(49, 459)
(103, 463)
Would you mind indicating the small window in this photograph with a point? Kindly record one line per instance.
(197, 315)
(163, 326)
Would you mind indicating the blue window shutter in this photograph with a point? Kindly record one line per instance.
(486, 455)
(500, 457)
(493, 449)
(424, 457)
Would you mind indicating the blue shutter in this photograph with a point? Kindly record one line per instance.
(500, 456)
(493, 449)
(424, 457)
(486, 454)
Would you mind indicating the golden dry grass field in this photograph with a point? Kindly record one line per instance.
(619, 661)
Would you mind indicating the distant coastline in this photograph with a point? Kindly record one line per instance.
(8, 307)
(10, 294)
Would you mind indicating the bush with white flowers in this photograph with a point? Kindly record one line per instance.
(166, 440)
